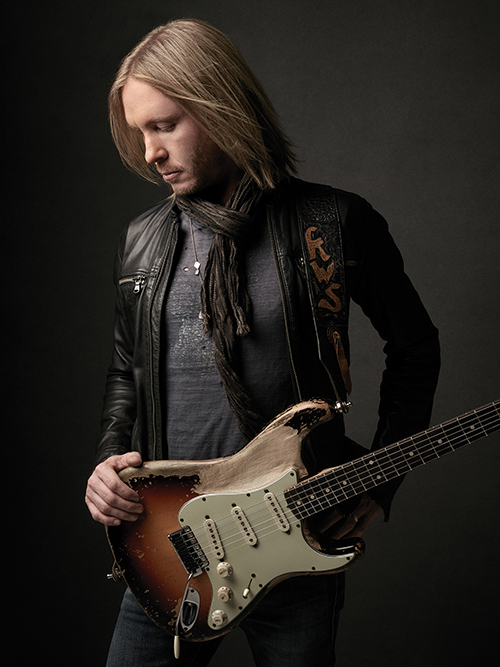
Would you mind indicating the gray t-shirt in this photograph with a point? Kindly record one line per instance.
(199, 421)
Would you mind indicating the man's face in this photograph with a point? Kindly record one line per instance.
(183, 153)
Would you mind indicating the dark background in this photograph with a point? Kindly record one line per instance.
(395, 100)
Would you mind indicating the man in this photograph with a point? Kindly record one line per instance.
(232, 305)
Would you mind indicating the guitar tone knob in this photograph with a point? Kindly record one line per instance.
(224, 569)
(219, 617)
(225, 593)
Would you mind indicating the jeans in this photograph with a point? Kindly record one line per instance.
(294, 625)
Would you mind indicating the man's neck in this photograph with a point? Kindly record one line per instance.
(220, 193)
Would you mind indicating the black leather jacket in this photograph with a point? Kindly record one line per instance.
(375, 279)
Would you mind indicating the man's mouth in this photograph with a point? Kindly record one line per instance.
(169, 175)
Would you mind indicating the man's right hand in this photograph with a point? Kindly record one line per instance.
(111, 501)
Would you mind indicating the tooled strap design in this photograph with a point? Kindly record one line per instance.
(322, 244)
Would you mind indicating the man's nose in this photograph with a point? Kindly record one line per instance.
(154, 151)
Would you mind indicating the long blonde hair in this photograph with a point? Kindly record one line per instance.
(198, 66)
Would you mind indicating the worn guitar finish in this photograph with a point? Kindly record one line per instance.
(216, 535)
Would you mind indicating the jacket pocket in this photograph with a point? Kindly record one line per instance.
(137, 281)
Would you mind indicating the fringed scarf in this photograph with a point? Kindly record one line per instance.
(225, 305)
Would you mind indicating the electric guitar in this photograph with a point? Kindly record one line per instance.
(216, 535)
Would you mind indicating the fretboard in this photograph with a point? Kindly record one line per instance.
(351, 479)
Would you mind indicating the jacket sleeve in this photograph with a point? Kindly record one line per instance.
(120, 404)
(380, 286)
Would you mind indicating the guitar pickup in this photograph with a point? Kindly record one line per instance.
(277, 512)
(213, 536)
(244, 525)
(190, 553)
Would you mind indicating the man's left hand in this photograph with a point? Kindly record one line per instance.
(353, 524)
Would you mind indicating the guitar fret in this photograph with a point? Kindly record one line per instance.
(332, 495)
(375, 471)
(359, 469)
(472, 429)
(293, 499)
(411, 454)
(425, 446)
(316, 500)
(441, 443)
(454, 434)
(488, 419)
(372, 473)
(340, 483)
(304, 501)
(349, 483)
(391, 467)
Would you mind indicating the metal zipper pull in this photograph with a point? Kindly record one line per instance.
(138, 283)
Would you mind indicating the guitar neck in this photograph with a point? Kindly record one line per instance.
(351, 479)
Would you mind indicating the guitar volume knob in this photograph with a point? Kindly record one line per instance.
(224, 569)
(219, 617)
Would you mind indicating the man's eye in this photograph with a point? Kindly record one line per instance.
(165, 128)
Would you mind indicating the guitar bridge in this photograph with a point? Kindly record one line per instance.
(189, 551)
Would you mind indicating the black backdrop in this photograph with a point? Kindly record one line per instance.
(395, 100)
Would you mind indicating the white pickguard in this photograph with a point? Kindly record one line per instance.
(277, 554)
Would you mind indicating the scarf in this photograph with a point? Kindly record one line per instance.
(225, 304)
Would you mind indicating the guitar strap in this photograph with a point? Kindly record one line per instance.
(319, 223)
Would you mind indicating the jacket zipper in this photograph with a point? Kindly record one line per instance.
(137, 280)
(151, 368)
(283, 302)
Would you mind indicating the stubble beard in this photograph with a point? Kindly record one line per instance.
(209, 175)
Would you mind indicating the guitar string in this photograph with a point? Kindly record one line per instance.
(252, 518)
(262, 527)
(251, 512)
(252, 515)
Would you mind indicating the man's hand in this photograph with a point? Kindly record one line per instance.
(111, 501)
(355, 523)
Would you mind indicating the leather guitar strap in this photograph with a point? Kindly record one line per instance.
(319, 222)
